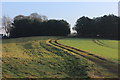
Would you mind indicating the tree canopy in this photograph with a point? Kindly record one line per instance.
(38, 25)
(103, 27)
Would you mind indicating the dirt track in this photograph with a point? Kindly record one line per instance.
(109, 65)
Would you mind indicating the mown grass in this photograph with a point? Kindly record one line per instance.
(111, 43)
(31, 57)
(109, 52)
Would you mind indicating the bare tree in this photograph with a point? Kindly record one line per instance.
(7, 24)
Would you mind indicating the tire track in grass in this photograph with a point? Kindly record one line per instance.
(98, 42)
(108, 65)
(83, 51)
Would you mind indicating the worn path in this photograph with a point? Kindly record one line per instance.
(109, 65)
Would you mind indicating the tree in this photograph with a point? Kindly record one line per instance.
(19, 17)
(7, 24)
(56, 28)
(103, 27)
(83, 26)
(38, 25)
(41, 18)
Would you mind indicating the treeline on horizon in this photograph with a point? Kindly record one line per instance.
(99, 27)
(38, 25)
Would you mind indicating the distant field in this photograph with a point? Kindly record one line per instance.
(104, 48)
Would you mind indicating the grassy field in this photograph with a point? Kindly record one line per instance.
(104, 48)
(31, 57)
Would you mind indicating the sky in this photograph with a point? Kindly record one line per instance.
(69, 11)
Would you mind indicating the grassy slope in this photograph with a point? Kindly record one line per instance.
(111, 43)
(110, 52)
(31, 57)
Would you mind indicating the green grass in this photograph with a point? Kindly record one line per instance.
(31, 57)
(109, 52)
(111, 43)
